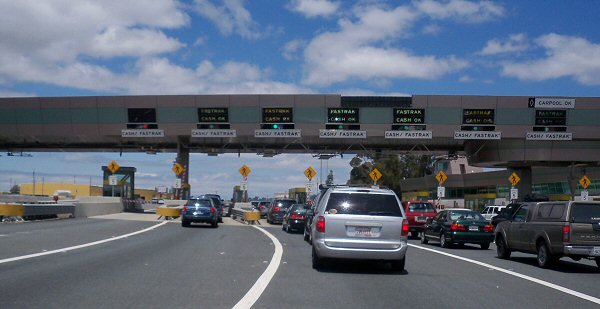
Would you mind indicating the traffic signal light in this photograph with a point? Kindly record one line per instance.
(213, 126)
(549, 129)
(341, 126)
(477, 128)
(408, 127)
(277, 126)
(142, 126)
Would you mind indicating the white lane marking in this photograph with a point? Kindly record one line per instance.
(512, 273)
(261, 284)
(63, 250)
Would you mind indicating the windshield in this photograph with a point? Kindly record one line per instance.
(363, 204)
(421, 207)
(284, 203)
(466, 215)
(585, 213)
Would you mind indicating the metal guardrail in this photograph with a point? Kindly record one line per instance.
(36, 210)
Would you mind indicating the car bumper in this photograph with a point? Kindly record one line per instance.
(296, 224)
(416, 228)
(276, 219)
(325, 251)
(197, 219)
(582, 251)
(471, 237)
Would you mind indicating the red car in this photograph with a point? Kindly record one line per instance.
(417, 213)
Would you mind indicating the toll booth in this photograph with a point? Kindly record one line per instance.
(298, 194)
(125, 186)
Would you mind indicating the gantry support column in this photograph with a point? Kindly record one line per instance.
(526, 184)
(183, 158)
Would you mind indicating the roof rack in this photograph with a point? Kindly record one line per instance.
(326, 186)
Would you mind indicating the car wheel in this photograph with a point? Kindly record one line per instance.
(283, 227)
(317, 262)
(414, 234)
(443, 241)
(485, 246)
(502, 250)
(185, 223)
(215, 224)
(424, 239)
(597, 262)
(287, 229)
(221, 220)
(305, 235)
(544, 258)
(398, 265)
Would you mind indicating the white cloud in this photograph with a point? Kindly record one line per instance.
(229, 18)
(314, 8)
(566, 56)
(465, 79)
(115, 41)
(362, 49)
(460, 10)
(515, 43)
(291, 48)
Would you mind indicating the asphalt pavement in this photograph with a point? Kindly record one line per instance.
(168, 266)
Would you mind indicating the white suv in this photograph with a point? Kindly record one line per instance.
(490, 211)
(359, 223)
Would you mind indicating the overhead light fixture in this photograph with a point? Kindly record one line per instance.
(324, 156)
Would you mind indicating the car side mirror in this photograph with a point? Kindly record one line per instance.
(310, 212)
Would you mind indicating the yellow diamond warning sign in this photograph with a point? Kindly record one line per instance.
(514, 178)
(441, 177)
(178, 168)
(375, 175)
(245, 170)
(585, 181)
(113, 166)
(310, 173)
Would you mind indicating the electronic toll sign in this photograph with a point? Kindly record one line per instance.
(213, 122)
(342, 119)
(478, 120)
(277, 118)
(409, 123)
(478, 124)
(550, 117)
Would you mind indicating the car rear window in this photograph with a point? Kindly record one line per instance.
(200, 203)
(284, 203)
(585, 213)
(299, 209)
(466, 215)
(363, 204)
(421, 207)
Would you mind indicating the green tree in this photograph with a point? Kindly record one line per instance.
(15, 189)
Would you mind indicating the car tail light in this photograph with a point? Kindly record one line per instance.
(276, 209)
(458, 227)
(488, 228)
(321, 224)
(184, 208)
(566, 233)
(212, 210)
(405, 228)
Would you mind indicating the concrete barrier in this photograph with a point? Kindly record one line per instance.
(168, 212)
(97, 206)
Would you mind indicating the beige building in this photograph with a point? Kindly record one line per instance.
(77, 190)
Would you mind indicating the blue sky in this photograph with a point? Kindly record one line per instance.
(370, 47)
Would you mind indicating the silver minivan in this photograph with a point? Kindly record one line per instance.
(359, 223)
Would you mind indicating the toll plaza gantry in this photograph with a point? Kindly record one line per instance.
(516, 132)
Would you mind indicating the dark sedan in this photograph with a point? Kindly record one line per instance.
(199, 210)
(278, 209)
(293, 220)
(458, 226)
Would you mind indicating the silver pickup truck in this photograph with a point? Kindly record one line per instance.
(552, 230)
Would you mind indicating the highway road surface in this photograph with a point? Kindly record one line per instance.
(134, 261)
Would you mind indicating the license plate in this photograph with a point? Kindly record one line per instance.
(473, 228)
(421, 219)
(596, 251)
(363, 232)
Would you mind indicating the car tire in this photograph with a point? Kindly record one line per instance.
(502, 250)
(221, 220)
(185, 223)
(287, 229)
(305, 235)
(544, 258)
(414, 234)
(485, 246)
(443, 241)
(597, 262)
(424, 239)
(215, 224)
(317, 262)
(398, 265)
(283, 227)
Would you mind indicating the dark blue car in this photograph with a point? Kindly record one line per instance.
(199, 210)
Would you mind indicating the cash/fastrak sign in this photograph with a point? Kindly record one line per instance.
(551, 103)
